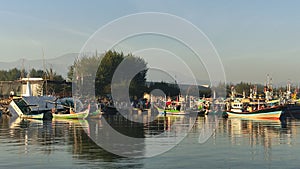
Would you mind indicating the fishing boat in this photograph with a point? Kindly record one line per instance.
(266, 113)
(35, 107)
(173, 112)
(80, 115)
(257, 110)
(95, 114)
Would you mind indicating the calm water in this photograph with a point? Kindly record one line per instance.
(236, 143)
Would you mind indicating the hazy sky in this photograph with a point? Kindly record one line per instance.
(253, 38)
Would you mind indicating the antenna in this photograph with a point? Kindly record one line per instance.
(22, 69)
(44, 70)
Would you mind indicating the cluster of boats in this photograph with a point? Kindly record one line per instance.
(267, 106)
(239, 108)
(254, 106)
(48, 107)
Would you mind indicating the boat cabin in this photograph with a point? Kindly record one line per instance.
(35, 104)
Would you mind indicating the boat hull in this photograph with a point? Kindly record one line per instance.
(80, 115)
(172, 112)
(256, 115)
(95, 115)
(32, 116)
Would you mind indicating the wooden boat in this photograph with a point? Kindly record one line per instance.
(265, 113)
(39, 114)
(32, 116)
(80, 115)
(34, 105)
(95, 115)
(172, 112)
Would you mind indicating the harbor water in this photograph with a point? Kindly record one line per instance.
(235, 143)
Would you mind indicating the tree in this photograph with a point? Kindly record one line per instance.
(10, 75)
(70, 73)
(36, 73)
(106, 66)
(168, 88)
(106, 70)
(52, 75)
(55, 81)
(138, 83)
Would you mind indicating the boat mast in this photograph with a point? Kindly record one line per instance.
(288, 92)
(268, 89)
(45, 74)
(22, 71)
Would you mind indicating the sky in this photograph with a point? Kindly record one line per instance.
(252, 38)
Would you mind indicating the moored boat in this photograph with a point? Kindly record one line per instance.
(172, 112)
(34, 107)
(95, 114)
(265, 113)
(172, 108)
(80, 115)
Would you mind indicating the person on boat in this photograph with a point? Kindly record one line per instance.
(200, 106)
(178, 107)
(72, 111)
(249, 108)
(168, 104)
(48, 116)
(11, 94)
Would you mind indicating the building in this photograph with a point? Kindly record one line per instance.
(31, 87)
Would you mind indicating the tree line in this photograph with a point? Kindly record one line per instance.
(53, 82)
(106, 64)
(17, 74)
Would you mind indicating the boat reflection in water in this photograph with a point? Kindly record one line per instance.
(138, 135)
(46, 141)
(58, 138)
(236, 143)
(258, 137)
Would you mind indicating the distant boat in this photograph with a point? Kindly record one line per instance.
(172, 112)
(95, 114)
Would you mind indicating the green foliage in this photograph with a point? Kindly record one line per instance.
(55, 83)
(70, 75)
(10, 75)
(51, 75)
(106, 65)
(205, 92)
(245, 86)
(137, 84)
(239, 88)
(106, 70)
(36, 73)
(168, 88)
